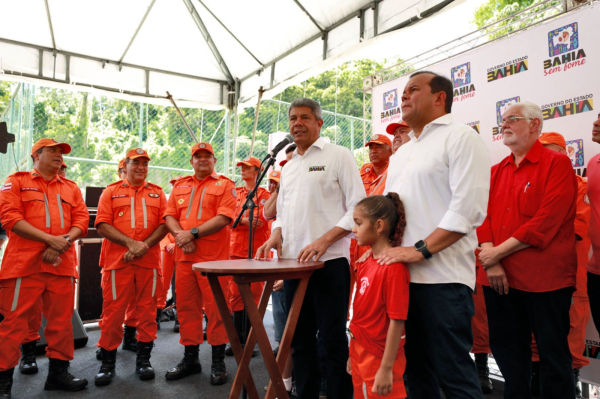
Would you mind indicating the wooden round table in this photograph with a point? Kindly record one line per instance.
(244, 272)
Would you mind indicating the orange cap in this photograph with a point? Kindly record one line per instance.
(283, 163)
(275, 175)
(173, 180)
(202, 146)
(380, 139)
(121, 164)
(136, 153)
(250, 161)
(553, 138)
(391, 128)
(41, 143)
(64, 165)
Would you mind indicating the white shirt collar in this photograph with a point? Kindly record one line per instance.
(442, 120)
(320, 143)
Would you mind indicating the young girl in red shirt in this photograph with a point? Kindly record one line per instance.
(381, 303)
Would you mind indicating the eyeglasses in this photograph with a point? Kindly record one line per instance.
(510, 120)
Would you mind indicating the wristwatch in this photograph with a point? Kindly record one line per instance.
(194, 232)
(421, 246)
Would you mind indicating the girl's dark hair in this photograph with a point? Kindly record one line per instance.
(389, 208)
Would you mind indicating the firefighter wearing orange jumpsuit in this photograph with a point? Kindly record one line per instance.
(200, 208)
(130, 217)
(44, 214)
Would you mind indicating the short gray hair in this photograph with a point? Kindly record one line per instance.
(314, 106)
(532, 111)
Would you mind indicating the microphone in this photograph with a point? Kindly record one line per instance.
(287, 140)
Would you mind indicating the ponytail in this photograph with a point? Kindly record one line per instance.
(389, 208)
(397, 231)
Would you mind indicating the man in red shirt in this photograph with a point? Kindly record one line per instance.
(593, 192)
(200, 208)
(130, 218)
(528, 252)
(400, 132)
(44, 214)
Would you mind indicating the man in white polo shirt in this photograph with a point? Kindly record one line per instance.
(443, 177)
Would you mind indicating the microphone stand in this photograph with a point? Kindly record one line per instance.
(250, 205)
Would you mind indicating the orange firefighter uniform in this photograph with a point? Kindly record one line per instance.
(168, 265)
(53, 207)
(193, 202)
(136, 212)
(238, 248)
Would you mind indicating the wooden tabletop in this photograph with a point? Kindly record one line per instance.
(251, 266)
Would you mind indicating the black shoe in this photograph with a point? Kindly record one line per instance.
(130, 342)
(59, 378)
(255, 351)
(6, 381)
(107, 370)
(158, 316)
(99, 354)
(535, 379)
(218, 372)
(228, 350)
(28, 364)
(176, 326)
(323, 390)
(142, 363)
(578, 393)
(188, 366)
(481, 361)
(276, 351)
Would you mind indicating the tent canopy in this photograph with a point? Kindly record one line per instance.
(207, 53)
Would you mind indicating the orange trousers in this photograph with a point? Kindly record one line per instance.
(168, 265)
(479, 323)
(19, 300)
(235, 298)
(35, 323)
(580, 316)
(364, 368)
(118, 288)
(193, 292)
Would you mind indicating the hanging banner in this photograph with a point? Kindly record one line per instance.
(554, 65)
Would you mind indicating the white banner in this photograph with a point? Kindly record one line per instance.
(554, 65)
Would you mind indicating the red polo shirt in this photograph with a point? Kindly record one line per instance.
(593, 192)
(534, 203)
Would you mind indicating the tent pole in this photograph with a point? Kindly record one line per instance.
(260, 93)
(170, 97)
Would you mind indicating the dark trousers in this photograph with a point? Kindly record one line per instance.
(324, 310)
(438, 341)
(593, 288)
(512, 318)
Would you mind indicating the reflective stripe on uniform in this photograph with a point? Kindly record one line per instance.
(60, 210)
(16, 296)
(132, 213)
(145, 214)
(200, 207)
(114, 286)
(187, 214)
(378, 184)
(47, 211)
(154, 283)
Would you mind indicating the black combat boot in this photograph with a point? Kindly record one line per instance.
(218, 372)
(28, 364)
(107, 370)
(142, 363)
(158, 316)
(188, 366)
(6, 381)
(176, 325)
(205, 326)
(535, 379)
(481, 360)
(98, 354)
(59, 378)
(578, 393)
(130, 342)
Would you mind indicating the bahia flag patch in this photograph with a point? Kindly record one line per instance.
(6, 187)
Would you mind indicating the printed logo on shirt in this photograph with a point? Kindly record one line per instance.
(153, 195)
(316, 169)
(474, 126)
(182, 186)
(501, 107)
(29, 189)
(180, 201)
(461, 81)
(263, 201)
(6, 187)
(391, 111)
(119, 196)
(568, 107)
(508, 69)
(575, 152)
(234, 192)
(563, 50)
(586, 199)
(120, 214)
(364, 283)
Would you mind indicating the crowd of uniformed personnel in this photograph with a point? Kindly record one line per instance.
(148, 238)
